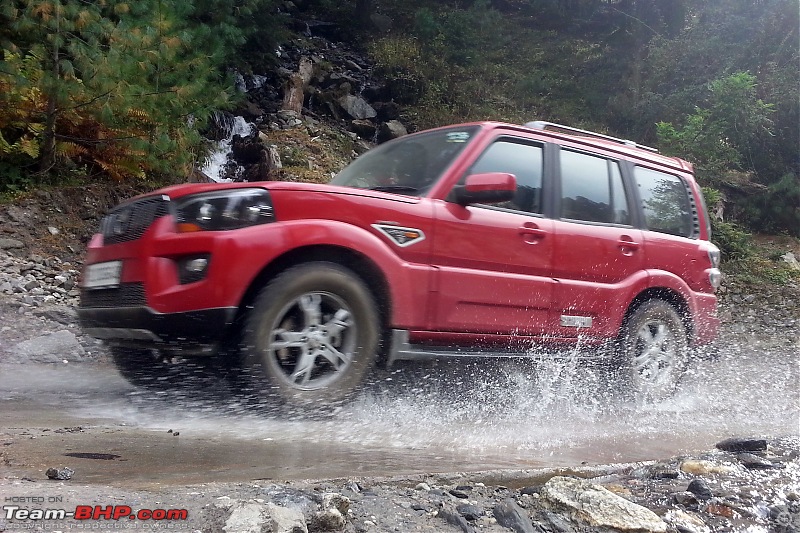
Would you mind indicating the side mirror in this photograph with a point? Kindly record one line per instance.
(487, 188)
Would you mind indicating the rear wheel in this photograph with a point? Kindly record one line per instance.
(312, 335)
(653, 351)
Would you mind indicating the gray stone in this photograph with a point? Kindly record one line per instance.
(382, 23)
(327, 520)
(596, 506)
(7, 244)
(391, 130)
(512, 516)
(686, 522)
(455, 519)
(742, 445)
(754, 462)
(357, 107)
(470, 512)
(254, 517)
(62, 474)
(791, 260)
(51, 348)
(333, 500)
(700, 488)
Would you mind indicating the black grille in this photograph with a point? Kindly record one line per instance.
(128, 222)
(126, 295)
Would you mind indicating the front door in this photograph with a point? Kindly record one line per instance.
(494, 261)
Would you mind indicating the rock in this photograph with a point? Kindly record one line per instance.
(356, 107)
(455, 519)
(8, 244)
(556, 522)
(60, 473)
(382, 23)
(459, 494)
(333, 500)
(51, 348)
(246, 517)
(598, 507)
(327, 520)
(285, 520)
(785, 518)
(364, 128)
(53, 230)
(512, 516)
(686, 522)
(754, 462)
(742, 445)
(391, 130)
(791, 260)
(686, 498)
(470, 512)
(699, 467)
(700, 488)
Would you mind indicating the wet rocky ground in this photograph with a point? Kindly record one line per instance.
(746, 484)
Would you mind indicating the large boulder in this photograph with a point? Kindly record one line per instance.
(596, 506)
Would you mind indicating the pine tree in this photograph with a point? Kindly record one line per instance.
(120, 88)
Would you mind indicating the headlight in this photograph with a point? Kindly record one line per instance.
(713, 255)
(224, 210)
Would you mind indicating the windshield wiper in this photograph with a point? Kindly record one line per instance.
(394, 188)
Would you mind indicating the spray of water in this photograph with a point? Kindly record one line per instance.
(543, 411)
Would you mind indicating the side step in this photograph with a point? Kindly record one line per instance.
(402, 349)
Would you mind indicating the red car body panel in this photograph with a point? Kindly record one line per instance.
(477, 275)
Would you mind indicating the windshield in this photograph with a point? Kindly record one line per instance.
(408, 165)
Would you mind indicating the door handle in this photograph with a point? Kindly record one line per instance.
(531, 233)
(627, 245)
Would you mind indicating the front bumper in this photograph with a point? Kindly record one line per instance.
(191, 332)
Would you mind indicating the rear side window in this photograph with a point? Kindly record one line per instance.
(592, 189)
(665, 202)
(523, 161)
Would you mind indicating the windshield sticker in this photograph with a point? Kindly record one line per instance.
(457, 137)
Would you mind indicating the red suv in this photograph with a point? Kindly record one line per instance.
(475, 239)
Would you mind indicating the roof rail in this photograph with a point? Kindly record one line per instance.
(542, 125)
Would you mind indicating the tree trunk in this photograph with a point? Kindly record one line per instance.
(48, 152)
(294, 91)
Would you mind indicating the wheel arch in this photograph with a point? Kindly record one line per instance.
(361, 266)
(672, 297)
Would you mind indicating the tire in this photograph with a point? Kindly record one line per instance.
(652, 352)
(312, 336)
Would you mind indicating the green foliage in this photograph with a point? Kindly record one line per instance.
(734, 243)
(721, 135)
(778, 209)
(121, 88)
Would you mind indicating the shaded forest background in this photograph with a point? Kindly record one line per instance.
(122, 90)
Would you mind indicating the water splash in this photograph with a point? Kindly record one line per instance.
(552, 411)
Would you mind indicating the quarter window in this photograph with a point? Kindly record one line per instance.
(524, 161)
(592, 189)
(665, 202)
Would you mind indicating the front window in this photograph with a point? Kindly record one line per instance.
(408, 165)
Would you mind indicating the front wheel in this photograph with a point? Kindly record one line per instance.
(652, 351)
(312, 335)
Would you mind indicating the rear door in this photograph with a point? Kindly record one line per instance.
(598, 251)
(494, 261)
